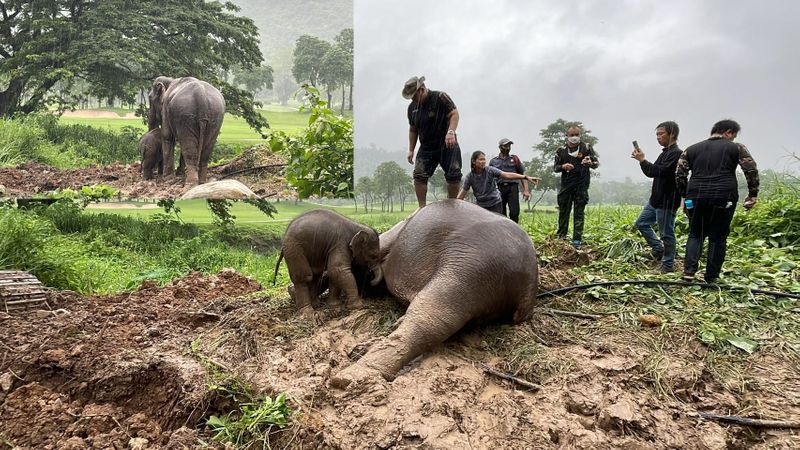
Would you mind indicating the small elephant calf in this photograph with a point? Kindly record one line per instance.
(321, 241)
(150, 151)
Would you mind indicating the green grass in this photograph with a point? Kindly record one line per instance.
(197, 212)
(235, 130)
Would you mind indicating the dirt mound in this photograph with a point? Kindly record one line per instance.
(99, 371)
(31, 178)
(115, 371)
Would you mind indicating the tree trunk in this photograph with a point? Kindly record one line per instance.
(351, 97)
(9, 99)
(341, 108)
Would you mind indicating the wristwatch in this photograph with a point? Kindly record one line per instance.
(451, 131)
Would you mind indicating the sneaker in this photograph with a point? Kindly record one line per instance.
(657, 254)
(688, 276)
(577, 244)
(663, 269)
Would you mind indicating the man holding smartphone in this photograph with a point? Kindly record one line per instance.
(664, 197)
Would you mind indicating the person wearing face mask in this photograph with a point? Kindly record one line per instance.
(509, 189)
(573, 161)
(483, 181)
(432, 119)
(711, 194)
(664, 197)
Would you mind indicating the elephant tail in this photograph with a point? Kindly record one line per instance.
(277, 265)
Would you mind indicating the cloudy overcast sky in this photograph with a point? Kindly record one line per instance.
(621, 67)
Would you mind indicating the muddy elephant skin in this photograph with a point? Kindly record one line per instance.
(150, 151)
(320, 241)
(189, 111)
(455, 263)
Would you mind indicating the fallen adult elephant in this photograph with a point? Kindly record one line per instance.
(455, 263)
(190, 111)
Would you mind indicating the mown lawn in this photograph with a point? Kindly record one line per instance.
(234, 129)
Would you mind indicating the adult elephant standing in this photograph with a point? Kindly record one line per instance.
(190, 111)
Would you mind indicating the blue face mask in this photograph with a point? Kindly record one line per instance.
(574, 139)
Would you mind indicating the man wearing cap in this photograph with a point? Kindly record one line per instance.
(509, 189)
(432, 119)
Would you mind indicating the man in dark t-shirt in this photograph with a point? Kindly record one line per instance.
(432, 119)
(664, 197)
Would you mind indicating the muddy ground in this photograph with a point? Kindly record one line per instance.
(30, 179)
(133, 371)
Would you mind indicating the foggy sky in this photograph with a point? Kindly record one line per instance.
(621, 67)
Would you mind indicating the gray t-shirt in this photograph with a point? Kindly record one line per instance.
(484, 186)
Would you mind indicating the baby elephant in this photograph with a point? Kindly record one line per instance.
(150, 151)
(321, 240)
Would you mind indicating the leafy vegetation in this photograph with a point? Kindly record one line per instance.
(320, 160)
(42, 139)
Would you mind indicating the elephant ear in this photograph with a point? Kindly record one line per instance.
(359, 240)
(158, 89)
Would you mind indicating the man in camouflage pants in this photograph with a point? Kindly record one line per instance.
(711, 194)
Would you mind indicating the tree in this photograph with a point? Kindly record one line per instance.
(344, 40)
(309, 55)
(119, 46)
(438, 184)
(254, 79)
(334, 72)
(365, 188)
(389, 179)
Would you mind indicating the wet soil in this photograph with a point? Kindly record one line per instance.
(30, 179)
(132, 371)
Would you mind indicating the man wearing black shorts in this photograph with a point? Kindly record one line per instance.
(432, 119)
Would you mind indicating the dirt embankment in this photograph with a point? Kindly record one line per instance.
(30, 178)
(113, 371)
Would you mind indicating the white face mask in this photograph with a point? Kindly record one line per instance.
(574, 139)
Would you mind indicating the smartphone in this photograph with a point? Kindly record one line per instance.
(636, 145)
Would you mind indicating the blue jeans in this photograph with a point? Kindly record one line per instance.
(665, 218)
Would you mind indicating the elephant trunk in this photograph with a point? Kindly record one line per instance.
(377, 275)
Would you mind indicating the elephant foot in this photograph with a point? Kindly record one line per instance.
(306, 312)
(354, 303)
(357, 376)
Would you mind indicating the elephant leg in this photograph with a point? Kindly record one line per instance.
(429, 321)
(302, 278)
(181, 166)
(205, 155)
(342, 278)
(167, 149)
(190, 151)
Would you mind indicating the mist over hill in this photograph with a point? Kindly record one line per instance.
(281, 22)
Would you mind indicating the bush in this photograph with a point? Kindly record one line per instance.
(42, 139)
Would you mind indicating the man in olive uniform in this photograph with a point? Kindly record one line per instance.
(573, 161)
(432, 119)
(509, 189)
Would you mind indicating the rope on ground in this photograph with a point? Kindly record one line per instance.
(664, 283)
(746, 421)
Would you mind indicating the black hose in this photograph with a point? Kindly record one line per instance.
(667, 283)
